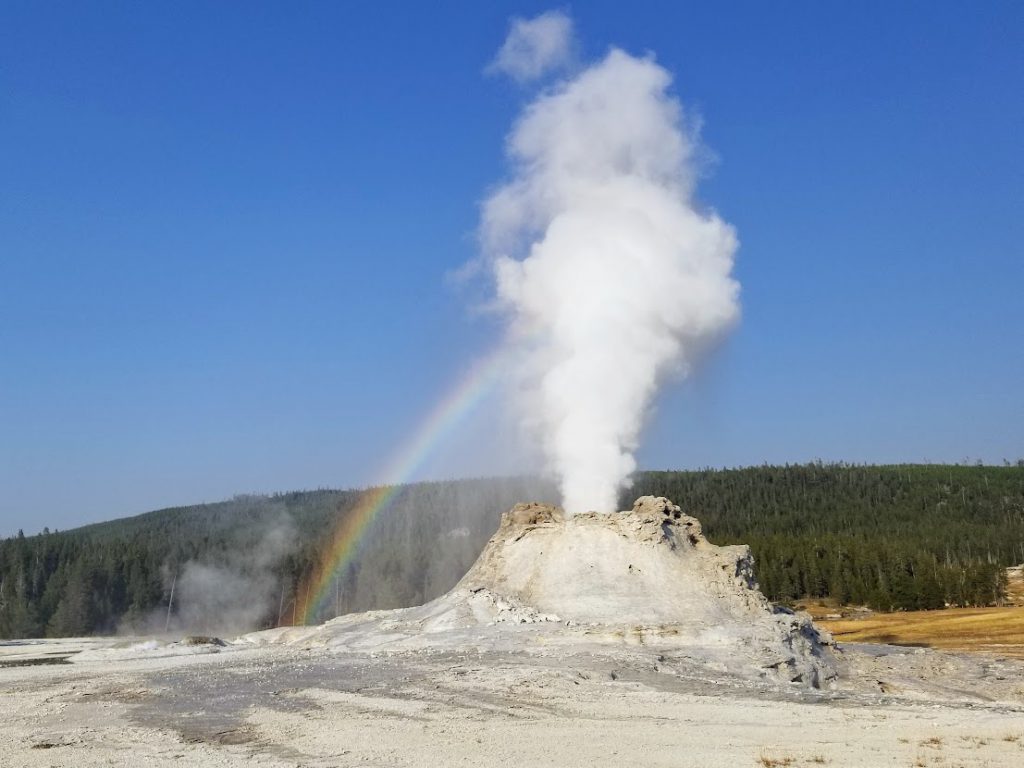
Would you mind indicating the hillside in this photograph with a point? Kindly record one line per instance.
(904, 537)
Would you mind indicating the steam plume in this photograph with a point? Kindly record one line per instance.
(233, 595)
(535, 47)
(231, 592)
(611, 275)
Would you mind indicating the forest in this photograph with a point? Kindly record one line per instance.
(899, 537)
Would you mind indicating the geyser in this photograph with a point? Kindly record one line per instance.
(611, 274)
(547, 580)
(612, 278)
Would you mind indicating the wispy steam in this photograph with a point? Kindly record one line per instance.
(235, 594)
(535, 47)
(229, 593)
(612, 275)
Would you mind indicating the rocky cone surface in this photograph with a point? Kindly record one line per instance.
(646, 577)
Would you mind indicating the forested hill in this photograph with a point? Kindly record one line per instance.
(904, 537)
(909, 537)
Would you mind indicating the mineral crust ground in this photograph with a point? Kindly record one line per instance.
(618, 640)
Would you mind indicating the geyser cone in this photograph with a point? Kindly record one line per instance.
(648, 566)
(554, 582)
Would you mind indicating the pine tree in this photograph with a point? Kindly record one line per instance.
(76, 613)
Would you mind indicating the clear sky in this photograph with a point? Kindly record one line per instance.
(226, 231)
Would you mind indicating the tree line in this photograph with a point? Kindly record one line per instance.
(890, 537)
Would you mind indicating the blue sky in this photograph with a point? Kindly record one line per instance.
(225, 233)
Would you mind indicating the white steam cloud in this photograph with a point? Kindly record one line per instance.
(535, 47)
(612, 275)
(234, 594)
(235, 591)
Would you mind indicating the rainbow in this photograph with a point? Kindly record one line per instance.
(350, 529)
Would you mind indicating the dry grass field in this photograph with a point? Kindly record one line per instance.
(991, 630)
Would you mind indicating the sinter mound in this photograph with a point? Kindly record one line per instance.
(646, 576)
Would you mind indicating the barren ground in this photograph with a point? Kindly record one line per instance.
(478, 678)
(617, 706)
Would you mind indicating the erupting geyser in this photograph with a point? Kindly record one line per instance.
(612, 275)
(612, 278)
